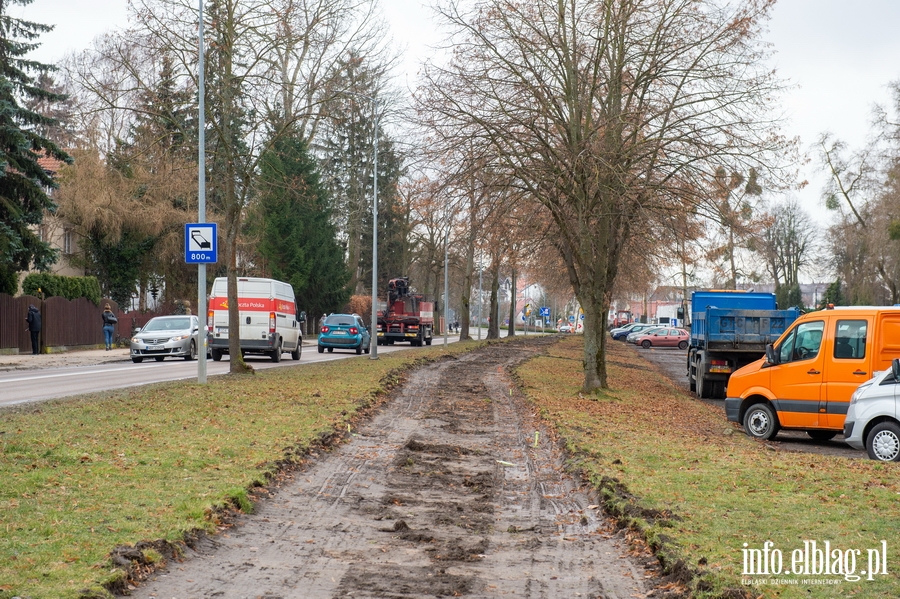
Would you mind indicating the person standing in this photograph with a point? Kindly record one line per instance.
(109, 325)
(34, 327)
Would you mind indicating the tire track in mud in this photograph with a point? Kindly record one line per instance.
(445, 492)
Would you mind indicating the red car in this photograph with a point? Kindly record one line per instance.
(664, 338)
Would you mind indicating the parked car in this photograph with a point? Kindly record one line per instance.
(622, 329)
(164, 337)
(645, 329)
(566, 328)
(872, 419)
(636, 327)
(663, 338)
(344, 331)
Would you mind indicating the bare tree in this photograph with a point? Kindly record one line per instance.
(858, 188)
(603, 110)
(789, 243)
(737, 219)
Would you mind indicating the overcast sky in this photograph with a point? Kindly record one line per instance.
(840, 55)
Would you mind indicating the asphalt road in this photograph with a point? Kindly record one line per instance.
(25, 379)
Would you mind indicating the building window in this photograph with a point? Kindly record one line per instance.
(68, 242)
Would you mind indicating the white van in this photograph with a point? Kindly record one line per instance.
(268, 315)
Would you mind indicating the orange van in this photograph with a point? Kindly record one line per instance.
(807, 377)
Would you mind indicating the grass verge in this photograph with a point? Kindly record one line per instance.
(84, 476)
(702, 493)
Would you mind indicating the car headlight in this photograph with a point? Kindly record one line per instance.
(179, 338)
(136, 340)
(858, 393)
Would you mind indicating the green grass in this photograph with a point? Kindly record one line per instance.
(698, 488)
(85, 475)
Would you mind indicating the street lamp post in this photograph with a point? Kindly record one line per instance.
(201, 200)
(373, 340)
(446, 288)
(480, 297)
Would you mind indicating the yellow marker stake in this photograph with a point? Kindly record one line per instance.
(536, 435)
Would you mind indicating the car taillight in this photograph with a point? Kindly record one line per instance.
(354, 331)
(271, 322)
(210, 318)
(325, 329)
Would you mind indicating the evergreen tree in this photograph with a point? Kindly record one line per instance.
(394, 231)
(292, 223)
(23, 199)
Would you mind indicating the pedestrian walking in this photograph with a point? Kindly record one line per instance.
(109, 325)
(34, 327)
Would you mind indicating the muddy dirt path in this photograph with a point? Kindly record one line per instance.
(442, 493)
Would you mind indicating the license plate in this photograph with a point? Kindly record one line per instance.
(340, 332)
(222, 330)
(155, 347)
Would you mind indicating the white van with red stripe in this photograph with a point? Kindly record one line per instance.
(268, 315)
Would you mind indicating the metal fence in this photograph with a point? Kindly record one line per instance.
(65, 324)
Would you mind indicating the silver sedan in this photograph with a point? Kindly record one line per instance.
(167, 336)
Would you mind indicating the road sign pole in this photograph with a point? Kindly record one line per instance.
(201, 199)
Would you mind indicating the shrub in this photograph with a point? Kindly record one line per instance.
(49, 285)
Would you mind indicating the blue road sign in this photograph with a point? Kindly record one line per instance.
(201, 245)
(572, 318)
(544, 311)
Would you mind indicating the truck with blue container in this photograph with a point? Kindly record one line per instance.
(730, 329)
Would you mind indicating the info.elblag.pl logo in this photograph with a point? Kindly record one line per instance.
(814, 559)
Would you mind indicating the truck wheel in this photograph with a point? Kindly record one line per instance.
(683, 345)
(883, 442)
(718, 389)
(216, 354)
(821, 435)
(428, 341)
(760, 422)
(702, 385)
(295, 355)
(276, 353)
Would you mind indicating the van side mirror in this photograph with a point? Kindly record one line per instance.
(771, 356)
(301, 317)
(895, 368)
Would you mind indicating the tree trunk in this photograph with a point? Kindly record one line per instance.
(512, 305)
(493, 314)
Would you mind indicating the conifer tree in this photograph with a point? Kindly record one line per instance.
(292, 223)
(23, 183)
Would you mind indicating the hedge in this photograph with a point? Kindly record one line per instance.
(50, 285)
